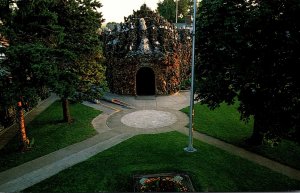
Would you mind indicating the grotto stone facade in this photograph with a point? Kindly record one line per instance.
(146, 55)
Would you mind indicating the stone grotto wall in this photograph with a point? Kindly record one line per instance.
(145, 39)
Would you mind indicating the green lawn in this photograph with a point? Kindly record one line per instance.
(50, 134)
(224, 123)
(210, 168)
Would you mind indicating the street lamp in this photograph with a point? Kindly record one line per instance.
(190, 147)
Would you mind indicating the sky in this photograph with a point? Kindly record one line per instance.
(115, 10)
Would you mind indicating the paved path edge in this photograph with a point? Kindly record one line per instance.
(19, 179)
(22, 182)
(250, 156)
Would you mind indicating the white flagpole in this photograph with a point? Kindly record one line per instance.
(190, 147)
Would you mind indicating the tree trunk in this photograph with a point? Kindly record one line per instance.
(258, 130)
(66, 110)
(24, 139)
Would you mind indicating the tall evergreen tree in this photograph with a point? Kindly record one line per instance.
(80, 71)
(249, 50)
(54, 44)
(30, 30)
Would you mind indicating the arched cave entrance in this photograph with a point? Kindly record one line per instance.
(145, 81)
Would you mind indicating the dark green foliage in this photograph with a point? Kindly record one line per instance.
(167, 9)
(210, 168)
(185, 8)
(79, 55)
(30, 32)
(224, 123)
(111, 25)
(80, 72)
(251, 50)
(52, 44)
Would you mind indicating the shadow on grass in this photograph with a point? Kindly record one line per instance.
(50, 133)
(224, 123)
(210, 168)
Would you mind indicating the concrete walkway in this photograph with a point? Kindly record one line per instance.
(113, 131)
(258, 159)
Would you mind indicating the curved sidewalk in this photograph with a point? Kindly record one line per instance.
(113, 131)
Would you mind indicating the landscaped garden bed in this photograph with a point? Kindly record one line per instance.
(164, 182)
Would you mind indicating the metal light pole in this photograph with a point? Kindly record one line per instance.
(176, 11)
(190, 147)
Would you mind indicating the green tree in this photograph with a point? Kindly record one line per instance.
(249, 50)
(55, 43)
(29, 29)
(111, 25)
(185, 8)
(31, 32)
(167, 9)
(79, 57)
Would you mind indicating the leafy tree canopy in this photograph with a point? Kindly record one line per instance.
(30, 31)
(54, 43)
(81, 55)
(249, 50)
(167, 9)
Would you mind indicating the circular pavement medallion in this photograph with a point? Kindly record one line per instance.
(148, 119)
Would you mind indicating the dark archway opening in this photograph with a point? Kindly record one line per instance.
(145, 82)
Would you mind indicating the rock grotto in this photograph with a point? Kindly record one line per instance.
(146, 55)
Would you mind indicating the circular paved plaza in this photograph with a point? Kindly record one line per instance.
(147, 121)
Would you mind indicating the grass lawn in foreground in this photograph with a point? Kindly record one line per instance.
(224, 123)
(50, 134)
(210, 168)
